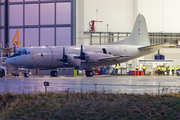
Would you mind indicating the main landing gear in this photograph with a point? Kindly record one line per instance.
(26, 74)
(53, 73)
(89, 73)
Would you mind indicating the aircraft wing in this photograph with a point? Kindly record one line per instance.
(157, 46)
(113, 58)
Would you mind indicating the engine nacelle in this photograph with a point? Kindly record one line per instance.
(72, 62)
(88, 63)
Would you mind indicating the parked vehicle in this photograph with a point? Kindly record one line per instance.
(2, 72)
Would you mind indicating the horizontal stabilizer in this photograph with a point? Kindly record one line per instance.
(157, 46)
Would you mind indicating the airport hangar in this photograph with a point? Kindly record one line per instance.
(67, 22)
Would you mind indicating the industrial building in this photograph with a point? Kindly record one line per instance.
(68, 22)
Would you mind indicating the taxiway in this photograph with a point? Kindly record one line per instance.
(113, 84)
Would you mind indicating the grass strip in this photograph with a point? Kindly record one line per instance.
(89, 106)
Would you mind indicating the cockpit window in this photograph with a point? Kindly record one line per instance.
(18, 52)
(24, 53)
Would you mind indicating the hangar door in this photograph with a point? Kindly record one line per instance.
(42, 22)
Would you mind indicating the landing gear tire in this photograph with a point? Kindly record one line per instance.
(54, 73)
(89, 73)
(26, 74)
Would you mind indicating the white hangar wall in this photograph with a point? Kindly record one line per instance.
(117, 13)
(161, 15)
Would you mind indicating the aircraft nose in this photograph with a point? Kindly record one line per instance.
(7, 61)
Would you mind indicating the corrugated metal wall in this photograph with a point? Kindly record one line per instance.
(47, 13)
(31, 14)
(47, 36)
(32, 36)
(62, 33)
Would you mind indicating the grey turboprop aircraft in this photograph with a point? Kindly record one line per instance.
(86, 57)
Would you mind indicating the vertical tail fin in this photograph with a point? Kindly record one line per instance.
(139, 35)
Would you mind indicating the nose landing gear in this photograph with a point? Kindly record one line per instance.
(26, 74)
(89, 73)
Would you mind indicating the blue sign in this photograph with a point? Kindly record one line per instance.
(46, 83)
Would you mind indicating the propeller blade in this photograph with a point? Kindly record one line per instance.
(64, 57)
(64, 67)
(63, 50)
(81, 48)
(82, 55)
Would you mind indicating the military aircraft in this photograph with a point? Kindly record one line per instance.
(86, 57)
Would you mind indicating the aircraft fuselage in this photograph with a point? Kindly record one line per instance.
(47, 57)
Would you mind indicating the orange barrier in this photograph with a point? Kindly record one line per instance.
(133, 72)
(141, 73)
(137, 73)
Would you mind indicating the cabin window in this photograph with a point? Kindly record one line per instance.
(104, 51)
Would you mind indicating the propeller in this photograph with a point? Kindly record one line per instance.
(64, 58)
(82, 55)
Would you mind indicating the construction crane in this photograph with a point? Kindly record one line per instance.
(92, 25)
